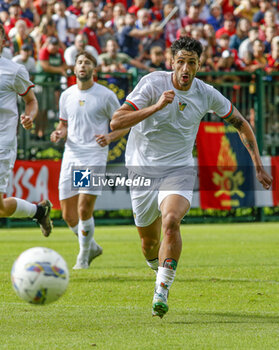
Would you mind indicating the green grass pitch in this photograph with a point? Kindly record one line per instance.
(225, 296)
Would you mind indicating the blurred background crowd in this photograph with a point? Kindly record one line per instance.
(45, 35)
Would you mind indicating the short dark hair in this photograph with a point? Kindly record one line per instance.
(87, 55)
(188, 44)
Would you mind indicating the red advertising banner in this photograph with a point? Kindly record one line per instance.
(275, 184)
(35, 181)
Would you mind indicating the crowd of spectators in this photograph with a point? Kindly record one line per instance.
(45, 35)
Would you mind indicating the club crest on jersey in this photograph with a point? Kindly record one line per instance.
(182, 106)
(81, 102)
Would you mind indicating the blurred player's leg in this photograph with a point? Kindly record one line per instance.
(70, 212)
(173, 209)
(19, 208)
(150, 243)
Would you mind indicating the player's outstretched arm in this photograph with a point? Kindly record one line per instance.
(105, 139)
(126, 116)
(60, 132)
(249, 141)
(31, 110)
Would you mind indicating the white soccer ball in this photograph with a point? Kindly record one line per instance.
(40, 275)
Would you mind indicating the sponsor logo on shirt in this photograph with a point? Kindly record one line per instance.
(81, 102)
(182, 106)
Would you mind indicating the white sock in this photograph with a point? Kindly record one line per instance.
(24, 209)
(153, 264)
(74, 229)
(85, 235)
(164, 280)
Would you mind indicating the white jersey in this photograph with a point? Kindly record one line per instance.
(14, 80)
(88, 113)
(166, 138)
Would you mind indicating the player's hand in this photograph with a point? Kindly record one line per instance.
(264, 178)
(26, 121)
(103, 140)
(56, 136)
(166, 98)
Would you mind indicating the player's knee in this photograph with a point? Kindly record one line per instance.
(170, 223)
(84, 212)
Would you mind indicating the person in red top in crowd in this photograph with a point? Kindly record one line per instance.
(156, 11)
(90, 30)
(40, 6)
(51, 58)
(193, 17)
(273, 57)
(75, 8)
(47, 29)
(210, 37)
(15, 15)
(138, 4)
(224, 45)
(229, 26)
(124, 2)
(259, 60)
(51, 66)
(227, 6)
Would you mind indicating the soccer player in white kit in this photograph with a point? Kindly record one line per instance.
(14, 80)
(85, 113)
(164, 111)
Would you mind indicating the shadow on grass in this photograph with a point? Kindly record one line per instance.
(111, 279)
(224, 280)
(227, 318)
(151, 277)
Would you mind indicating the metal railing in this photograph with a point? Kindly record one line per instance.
(255, 95)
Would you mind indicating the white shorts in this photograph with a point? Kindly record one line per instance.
(146, 203)
(7, 161)
(66, 189)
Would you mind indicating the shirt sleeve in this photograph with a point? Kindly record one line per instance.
(62, 111)
(112, 104)
(22, 83)
(221, 105)
(141, 96)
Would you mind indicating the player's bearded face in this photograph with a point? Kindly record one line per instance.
(84, 69)
(185, 65)
(85, 76)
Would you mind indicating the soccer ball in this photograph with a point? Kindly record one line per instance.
(40, 275)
